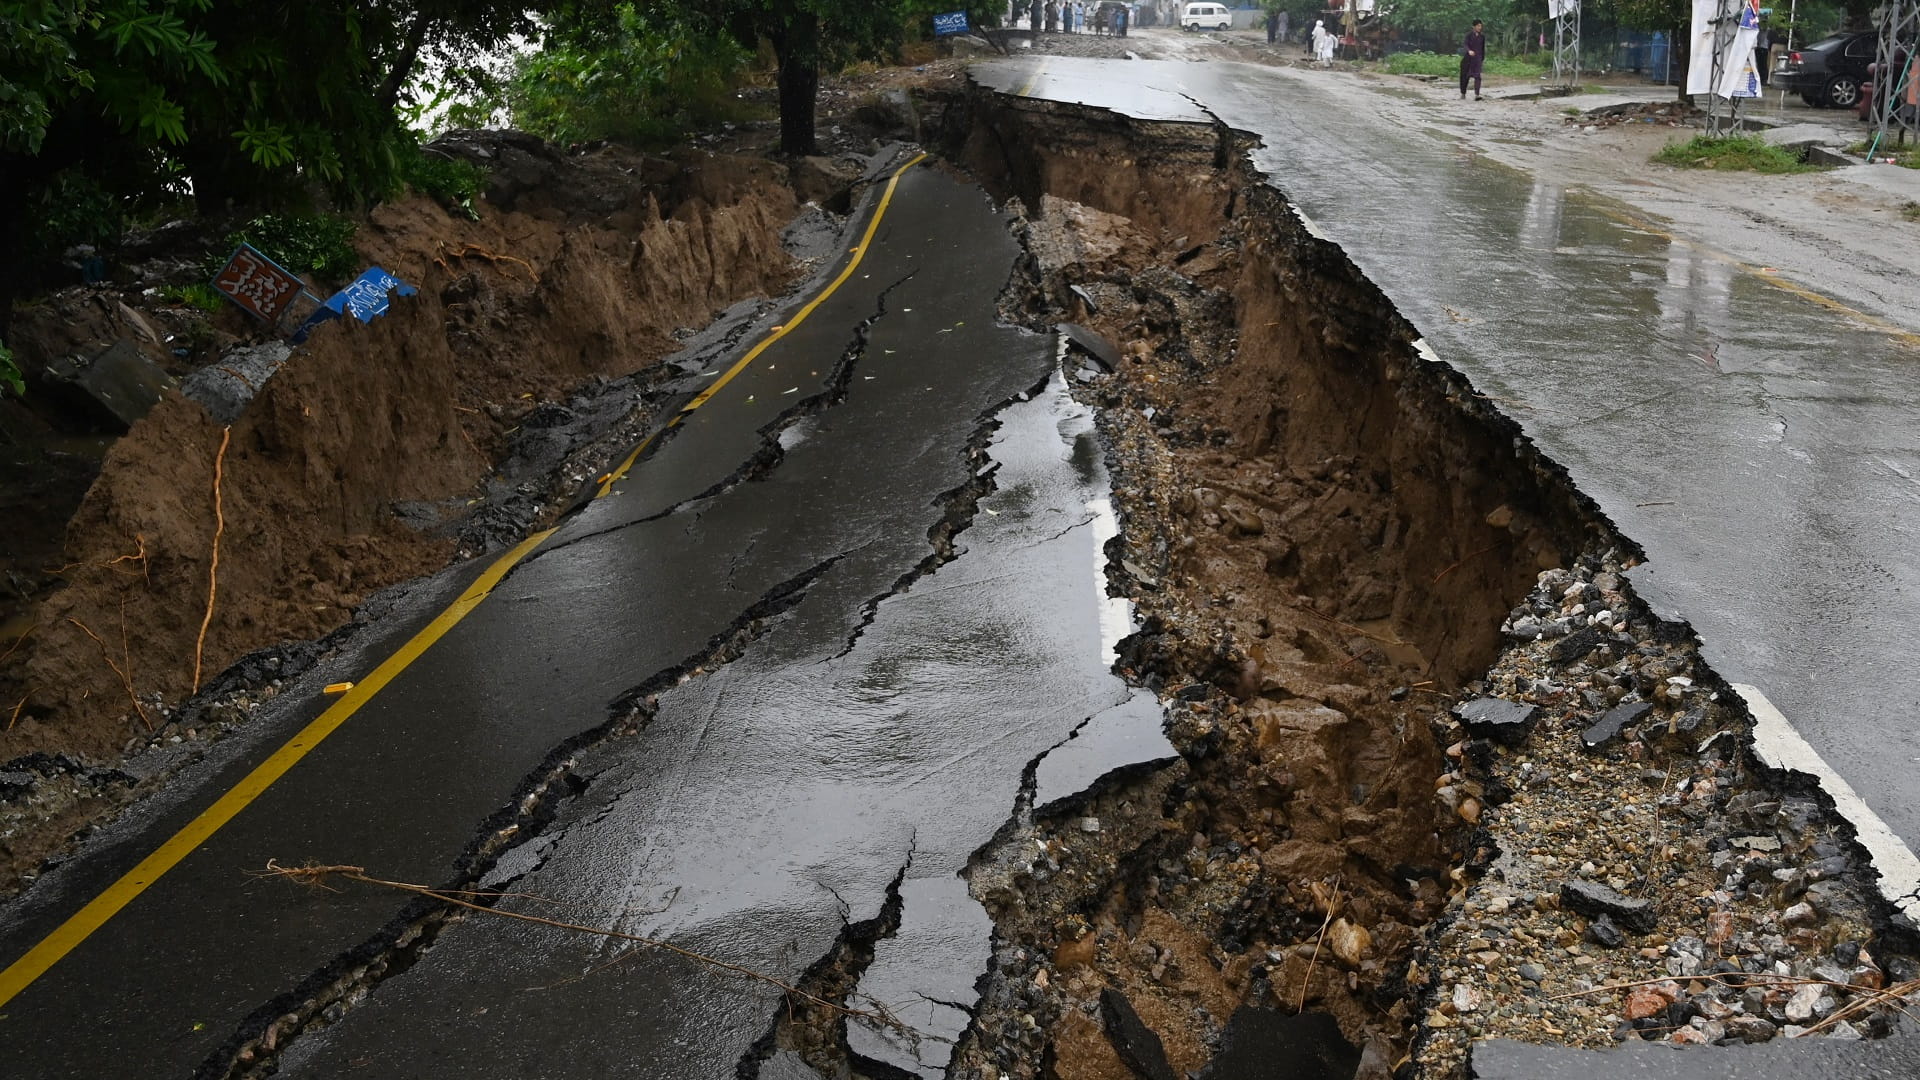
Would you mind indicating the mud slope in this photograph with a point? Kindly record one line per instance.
(577, 268)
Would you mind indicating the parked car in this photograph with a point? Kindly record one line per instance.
(1829, 73)
(1206, 17)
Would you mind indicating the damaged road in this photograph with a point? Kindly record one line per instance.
(762, 810)
(1748, 432)
(806, 800)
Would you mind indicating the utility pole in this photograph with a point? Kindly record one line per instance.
(1566, 42)
(1894, 113)
(1722, 113)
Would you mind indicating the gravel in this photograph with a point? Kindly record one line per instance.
(1647, 880)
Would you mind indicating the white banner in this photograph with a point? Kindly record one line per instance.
(1700, 47)
(1738, 76)
(1738, 79)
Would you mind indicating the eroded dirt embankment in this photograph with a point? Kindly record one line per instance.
(1324, 529)
(369, 458)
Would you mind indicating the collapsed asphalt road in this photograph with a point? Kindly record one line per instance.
(766, 718)
(1751, 437)
(857, 751)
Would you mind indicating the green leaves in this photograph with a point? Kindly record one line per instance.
(636, 77)
(10, 378)
(37, 68)
(268, 146)
(320, 244)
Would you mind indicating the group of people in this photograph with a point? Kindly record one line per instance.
(1079, 17)
(1322, 42)
(1473, 52)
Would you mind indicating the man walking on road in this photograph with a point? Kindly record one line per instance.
(1472, 55)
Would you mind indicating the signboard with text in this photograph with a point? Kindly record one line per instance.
(953, 22)
(260, 286)
(366, 298)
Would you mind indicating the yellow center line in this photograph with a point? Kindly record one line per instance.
(1773, 278)
(1026, 89)
(77, 928)
(103, 907)
(859, 253)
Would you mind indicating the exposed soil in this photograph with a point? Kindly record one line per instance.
(463, 420)
(1331, 539)
(1325, 534)
(1315, 520)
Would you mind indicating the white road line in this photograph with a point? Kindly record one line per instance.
(1779, 746)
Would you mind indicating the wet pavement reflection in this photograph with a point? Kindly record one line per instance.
(860, 750)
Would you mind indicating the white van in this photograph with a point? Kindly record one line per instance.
(1206, 17)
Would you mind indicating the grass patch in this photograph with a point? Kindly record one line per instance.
(1905, 157)
(1911, 211)
(449, 181)
(1745, 153)
(11, 380)
(196, 295)
(1427, 63)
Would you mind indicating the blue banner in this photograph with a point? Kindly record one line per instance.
(365, 298)
(953, 22)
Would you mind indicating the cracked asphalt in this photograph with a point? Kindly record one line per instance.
(1747, 425)
(1751, 432)
(883, 714)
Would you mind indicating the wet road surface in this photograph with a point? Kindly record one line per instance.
(1758, 444)
(861, 748)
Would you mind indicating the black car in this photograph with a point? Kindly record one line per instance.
(1829, 72)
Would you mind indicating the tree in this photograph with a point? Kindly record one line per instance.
(87, 81)
(236, 100)
(808, 35)
(638, 78)
(1447, 19)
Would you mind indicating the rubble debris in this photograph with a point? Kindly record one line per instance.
(1132, 1039)
(118, 385)
(1610, 724)
(1505, 722)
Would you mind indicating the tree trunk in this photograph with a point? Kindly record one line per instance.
(1678, 46)
(799, 52)
(403, 65)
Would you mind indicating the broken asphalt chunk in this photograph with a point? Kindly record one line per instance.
(1579, 644)
(1139, 1048)
(115, 388)
(1603, 933)
(1093, 344)
(1507, 722)
(1260, 1042)
(1138, 573)
(1608, 727)
(1594, 900)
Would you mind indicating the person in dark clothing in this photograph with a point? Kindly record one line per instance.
(1472, 56)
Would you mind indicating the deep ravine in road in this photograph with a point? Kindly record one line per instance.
(1326, 543)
